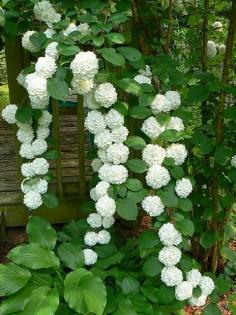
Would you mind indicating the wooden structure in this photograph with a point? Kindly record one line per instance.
(72, 171)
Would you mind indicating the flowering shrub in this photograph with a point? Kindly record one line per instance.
(139, 171)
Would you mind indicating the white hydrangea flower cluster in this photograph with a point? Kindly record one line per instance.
(45, 12)
(211, 49)
(82, 28)
(144, 76)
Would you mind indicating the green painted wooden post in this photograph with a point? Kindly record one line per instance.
(81, 142)
(56, 135)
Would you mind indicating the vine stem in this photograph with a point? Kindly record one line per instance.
(219, 128)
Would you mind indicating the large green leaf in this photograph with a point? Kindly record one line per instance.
(212, 309)
(134, 184)
(116, 38)
(136, 165)
(40, 231)
(71, 255)
(130, 86)
(152, 267)
(50, 200)
(186, 227)
(127, 209)
(112, 56)
(129, 285)
(208, 239)
(24, 114)
(125, 307)
(132, 54)
(58, 89)
(140, 112)
(135, 142)
(84, 292)
(12, 278)
(43, 301)
(33, 256)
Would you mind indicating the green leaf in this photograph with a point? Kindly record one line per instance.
(140, 112)
(208, 239)
(230, 113)
(137, 196)
(63, 309)
(211, 309)
(71, 255)
(112, 56)
(66, 50)
(232, 305)
(84, 292)
(51, 155)
(131, 54)
(152, 267)
(104, 263)
(136, 165)
(116, 38)
(129, 285)
(50, 200)
(168, 198)
(186, 227)
(185, 204)
(121, 190)
(118, 18)
(58, 89)
(127, 209)
(41, 232)
(165, 295)
(43, 300)
(33, 256)
(223, 155)
(135, 142)
(38, 39)
(148, 239)
(129, 86)
(134, 184)
(198, 93)
(177, 172)
(12, 278)
(24, 114)
(98, 41)
(122, 108)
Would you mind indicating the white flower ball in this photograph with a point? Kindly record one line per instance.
(45, 12)
(222, 49)
(119, 134)
(104, 237)
(43, 132)
(96, 164)
(25, 134)
(82, 86)
(141, 79)
(95, 122)
(114, 119)
(91, 238)
(85, 65)
(83, 28)
(206, 285)
(26, 151)
(169, 235)
(45, 67)
(147, 72)
(169, 256)
(9, 114)
(174, 99)
(102, 154)
(113, 174)
(198, 302)
(26, 43)
(153, 205)
(175, 123)
(233, 161)
(183, 187)
(103, 139)
(40, 166)
(41, 186)
(27, 170)
(153, 154)
(70, 29)
(157, 176)
(177, 152)
(217, 25)
(93, 194)
(49, 32)
(95, 220)
(39, 146)
(90, 257)
(37, 89)
(101, 189)
(171, 276)
(117, 153)
(33, 200)
(194, 277)
(211, 49)
(45, 119)
(52, 51)
(107, 222)
(106, 206)
(183, 291)
(152, 128)
(160, 104)
(106, 95)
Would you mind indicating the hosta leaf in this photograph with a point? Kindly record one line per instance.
(12, 278)
(84, 292)
(43, 301)
(40, 231)
(33, 256)
(71, 255)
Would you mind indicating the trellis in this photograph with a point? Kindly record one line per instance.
(71, 170)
